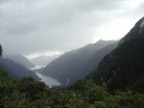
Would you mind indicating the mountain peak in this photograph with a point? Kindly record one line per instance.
(136, 32)
(101, 40)
(142, 23)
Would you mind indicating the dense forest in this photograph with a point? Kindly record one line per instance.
(28, 93)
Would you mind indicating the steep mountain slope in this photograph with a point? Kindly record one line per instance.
(20, 59)
(16, 70)
(123, 68)
(92, 64)
(67, 67)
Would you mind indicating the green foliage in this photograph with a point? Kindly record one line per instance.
(76, 101)
(123, 68)
(3, 74)
(9, 96)
(1, 50)
(90, 91)
(28, 93)
(127, 99)
(32, 89)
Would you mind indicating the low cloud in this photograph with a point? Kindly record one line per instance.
(29, 26)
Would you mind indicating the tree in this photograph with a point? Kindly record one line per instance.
(1, 50)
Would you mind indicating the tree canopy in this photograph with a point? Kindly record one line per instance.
(28, 93)
(1, 50)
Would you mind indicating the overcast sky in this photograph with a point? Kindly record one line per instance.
(46, 27)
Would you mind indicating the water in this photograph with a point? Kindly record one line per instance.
(48, 80)
(38, 67)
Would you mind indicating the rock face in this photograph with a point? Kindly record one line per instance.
(68, 68)
(124, 67)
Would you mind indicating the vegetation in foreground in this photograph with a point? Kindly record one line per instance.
(28, 93)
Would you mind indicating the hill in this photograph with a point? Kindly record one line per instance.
(18, 58)
(123, 68)
(16, 70)
(67, 67)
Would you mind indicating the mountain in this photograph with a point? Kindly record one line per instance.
(123, 68)
(16, 70)
(18, 58)
(44, 60)
(92, 64)
(67, 67)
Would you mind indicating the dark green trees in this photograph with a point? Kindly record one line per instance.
(1, 50)
(27, 93)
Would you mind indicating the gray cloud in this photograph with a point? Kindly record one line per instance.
(45, 25)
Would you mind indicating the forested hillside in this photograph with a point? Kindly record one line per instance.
(123, 68)
(27, 93)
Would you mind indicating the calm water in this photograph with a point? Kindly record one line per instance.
(37, 67)
(48, 80)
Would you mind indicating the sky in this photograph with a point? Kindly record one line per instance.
(47, 27)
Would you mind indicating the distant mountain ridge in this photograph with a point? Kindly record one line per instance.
(18, 58)
(123, 68)
(67, 67)
(93, 62)
(16, 70)
(44, 60)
